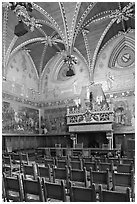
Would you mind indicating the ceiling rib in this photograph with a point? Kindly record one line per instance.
(56, 26)
(90, 7)
(62, 9)
(99, 43)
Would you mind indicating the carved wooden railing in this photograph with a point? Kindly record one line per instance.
(79, 116)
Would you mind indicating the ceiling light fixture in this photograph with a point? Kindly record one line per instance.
(22, 11)
(70, 61)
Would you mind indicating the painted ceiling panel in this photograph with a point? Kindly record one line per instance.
(80, 45)
(82, 8)
(28, 36)
(115, 28)
(54, 15)
(36, 53)
(69, 12)
(100, 8)
(50, 52)
(54, 10)
(47, 29)
(95, 33)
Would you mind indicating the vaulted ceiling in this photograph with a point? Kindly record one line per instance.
(81, 26)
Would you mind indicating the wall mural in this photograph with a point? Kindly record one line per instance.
(115, 70)
(19, 119)
(55, 121)
(21, 73)
(56, 85)
(115, 64)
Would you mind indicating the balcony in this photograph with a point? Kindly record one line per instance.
(79, 116)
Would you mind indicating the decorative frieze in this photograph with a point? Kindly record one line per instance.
(89, 116)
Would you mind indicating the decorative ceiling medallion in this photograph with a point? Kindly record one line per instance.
(126, 57)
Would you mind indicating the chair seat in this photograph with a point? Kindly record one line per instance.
(14, 196)
(32, 198)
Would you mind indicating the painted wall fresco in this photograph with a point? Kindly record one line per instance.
(55, 121)
(22, 75)
(56, 85)
(115, 66)
(115, 70)
(19, 119)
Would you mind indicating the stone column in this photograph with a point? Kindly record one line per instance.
(109, 136)
(74, 138)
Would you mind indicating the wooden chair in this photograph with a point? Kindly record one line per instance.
(47, 153)
(113, 196)
(44, 172)
(79, 177)
(24, 158)
(61, 163)
(54, 191)
(89, 165)
(32, 190)
(74, 158)
(16, 158)
(125, 168)
(127, 161)
(61, 174)
(100, 177)
(29, 171)
(115, 161)
(87, 159)
(12, 188)
(82, 194)
(7, 166)
(76, 164)
(105, 165)
(50, 162)
(123, 180)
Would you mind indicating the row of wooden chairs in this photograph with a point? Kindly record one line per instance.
(36, 190)
(81, 177)
(13, 163)
(96, 165)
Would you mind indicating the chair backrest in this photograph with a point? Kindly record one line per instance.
(12, 184)
(76, 164)
(50, 162)
(113, 196)
(7, 164)
(87, 159)
(105, 165)
(115, 161)
(124, 168)
(74, 158)
(32, 190)
(24, 158)
(123, 179)
(60, 174)
(16, 157)
(54, 191)
(47, 152)
(100, 177)
(61, 163)
(29, 171)
(89, 165)
(127, 161)
(77, 175)
(82, 194)
(44, 172)
(86, 152)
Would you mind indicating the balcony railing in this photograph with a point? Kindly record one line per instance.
(79, 116)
